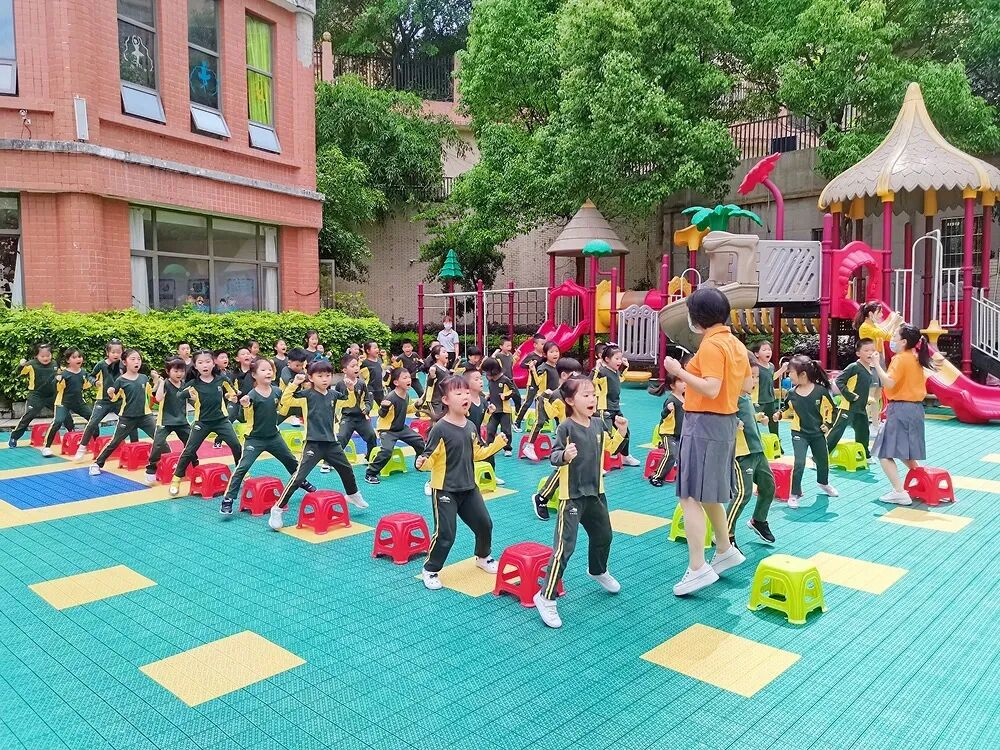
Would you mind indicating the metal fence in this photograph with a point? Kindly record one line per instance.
(428, 77)
(780, 134)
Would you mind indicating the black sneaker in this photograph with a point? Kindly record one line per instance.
(308, 486)
(541, 507)
(227, 506)
(656, 482)
(372, 478)
(217, 443)
(762, 530)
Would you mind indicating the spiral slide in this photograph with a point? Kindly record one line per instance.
(563, 335)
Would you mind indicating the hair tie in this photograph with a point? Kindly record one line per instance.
(920, 344)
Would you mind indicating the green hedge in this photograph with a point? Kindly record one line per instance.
(156, 334)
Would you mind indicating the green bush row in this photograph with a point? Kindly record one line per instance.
(156, 334)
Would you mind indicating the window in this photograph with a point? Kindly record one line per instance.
(11, 290)
(137, 59)
(213, 264)
(260, 86)
(8, 54)
(203, 68)
(952, 231)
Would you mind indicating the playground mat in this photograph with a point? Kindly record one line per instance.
(144, 622)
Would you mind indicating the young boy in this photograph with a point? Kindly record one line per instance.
(392, 424)
(555, 409)
(354, 403)
(296, 365)
(507, 359)
(857, 386)
(766, 400)
(669, 429)
(41, 374)
(502, 390)
(409, 360)
(473, 360)
(184, 353)
(371, 371)
(530, 362)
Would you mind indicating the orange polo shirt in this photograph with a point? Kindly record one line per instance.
(723, 356)
(908, 375)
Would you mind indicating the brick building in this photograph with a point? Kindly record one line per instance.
(157, 152)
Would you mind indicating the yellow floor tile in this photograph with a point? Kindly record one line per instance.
(939, 417)
(339, 532)
(220, 667)
(722, 659)
(975, 483)
(500, 492)
(993, 458)
(84, 588)
(926, 520)
(635, 524)
(466, 578)
(862, 575)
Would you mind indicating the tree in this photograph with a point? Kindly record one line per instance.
(394, 28)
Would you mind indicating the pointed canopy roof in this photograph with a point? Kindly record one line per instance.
(588, 224)
(913, 156)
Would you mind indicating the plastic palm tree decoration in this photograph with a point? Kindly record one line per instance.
(597, 249)
(717, 219)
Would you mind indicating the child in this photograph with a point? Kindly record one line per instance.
(318, 402)
(354, 404)
(372, 372)
(210, 392)
(473, 360)
(855, 385)
(253, 346)
(437, 372)
(530, 363)
(103, 375)
(870, 324)
(242, 378)
(184, 353)
(669, 429)
(260, 412)
(295, 364)
(608, 385)
(902, 435)
(581, 442)
(71, 382)
(312, 346)
(134, 392)
(555, 408)
(479, 407)
(811, 408)
(502, 391)
(452, 449)
(505, 356)
(280, 359)
(392, 424)
(751, 467)
(766, 399)
(411, 362)
(546, 381)
(41, 374)
(172, 418)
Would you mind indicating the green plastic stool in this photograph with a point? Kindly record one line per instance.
(849, 456)
(772, 446)
(351, 452)
(553, 503)
(241, 430)
(396, 464)
(677, 527)
(788, 584)
(486, 478)
(294, 439)
(655, 439)
(531, 419)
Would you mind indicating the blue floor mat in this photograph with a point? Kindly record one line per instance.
(42, 490)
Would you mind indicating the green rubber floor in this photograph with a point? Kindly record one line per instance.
(391, 665)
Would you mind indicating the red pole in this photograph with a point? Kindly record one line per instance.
(988, 200)
(836, 228)
(552, 272)
(965, 319)
(510, 311)
(887, 199)
(613, 316)
(692, 263)
(825, 285)
(480, 315)
(591, 303)
(420, 320)
(621, 270)
(929, 209)
(908, 300)
(664, 284)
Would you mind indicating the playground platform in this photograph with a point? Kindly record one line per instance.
(132, 621)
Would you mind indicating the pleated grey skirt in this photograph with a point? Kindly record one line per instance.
(902, 435)
(705, 457)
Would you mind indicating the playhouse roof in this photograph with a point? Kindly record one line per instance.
(913, 156)
(588, 224)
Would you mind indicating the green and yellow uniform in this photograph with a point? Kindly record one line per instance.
(133, 395)
(811, 415)
(751, 467)
(69, 401)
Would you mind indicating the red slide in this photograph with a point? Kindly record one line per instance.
(564, 336)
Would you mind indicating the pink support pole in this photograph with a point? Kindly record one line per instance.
(984, 281)
(928, 272)
(552, 272)
(480, 315)
(886, 244)
(420, 320)
(836, 231)
(907, 264)
(664, 284)
(779, 234)
(965, 319)
(591, 303)
(510, 311)
(613, 313)
(825, 285)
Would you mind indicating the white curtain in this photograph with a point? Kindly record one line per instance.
(17, 288)
(140, 265)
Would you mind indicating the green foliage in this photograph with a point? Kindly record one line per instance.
(156, 333)
(717, 219)
(396, 28)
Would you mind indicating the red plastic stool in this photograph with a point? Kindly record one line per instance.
(70, 443)
(167, 465)
(97, 444)
(929, 484)
(322, 509)
(653, 459)
(522, 569)
(612, 461)
(782, 481)
(422, 427)
(543, 446)
(259, 494)
(403, 541)
(209, 480)
(38, 434)
(132, 456)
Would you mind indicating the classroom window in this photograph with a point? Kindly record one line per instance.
(952, 236)
(213, 264)
(260, 85)
(8, 51)
(137, 59)
(11, 282)
(203, 68)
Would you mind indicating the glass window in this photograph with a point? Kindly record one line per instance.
(952, 238)
(181, 233)
(8, 55)
(137, 59)
(260, 85)
(234, 239)
(11, 290)
(183, 281)
(9, 214)
(203, 68)
(236, 286)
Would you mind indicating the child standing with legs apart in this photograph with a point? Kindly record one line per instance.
(354, 402)
(71, 382)
(608, 382)
(547, 381)
(502, 393)
(669, 429)
(855, 385)
(452, 449)
(103, 375)
(392, 424)
(766, 399)
(172, 418)
(902, 435)
(581, 441)
(810, 407)
(41, 374)
(134, 392)
(531, 363)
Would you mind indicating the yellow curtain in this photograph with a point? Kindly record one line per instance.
(259, 86)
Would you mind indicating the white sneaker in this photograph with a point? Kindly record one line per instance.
(150, 480)
(500, 482)
(529, 452)
(897, 498)
(295, 422)
(95, 470)
(793, 501)
(547, 611)
(723, 561)
(431, 580)
(488, 564)
(695, 580)
(630, 461)
(829, 490)
(516, 428)
(175, 487)
(608, 582)
(275, 520)
(47, 452)
(324, 469)
(80, 453)
(427, 489)
(357, 501)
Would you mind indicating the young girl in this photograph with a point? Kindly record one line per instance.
(608, 384)
(811, 408)
(134, 392)
(280, 360)
(41, 374)
(902, 435)
(452, 449)
(555, 408)
(870, 324)
(172, 417)
(103, 375)
(373, 371)
(581, 441)
(530, 363)
(547, 381)
(437, 372)
(260, 412)
(857, 384)
(210, 392)
(312, 346)
(669, 429)
(766, 400)
(71, 382)
(392, 424)
(354, 405)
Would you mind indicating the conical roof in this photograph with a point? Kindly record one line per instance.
(588, 224)
(913, 156)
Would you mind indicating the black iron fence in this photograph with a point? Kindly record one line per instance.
(779, 134)
(427, 77)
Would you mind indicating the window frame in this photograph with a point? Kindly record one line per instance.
(11, 62)
(956, 238)
(17, 283)
(261, 130)
(198, 108)
(138, 88)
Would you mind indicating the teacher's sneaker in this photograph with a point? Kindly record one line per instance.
(630, 461)
(695, 580)
(608, 582)
(829, 490)
(431, 580)
(547, 611)
(275, 520)
(897, 498)
(723, 561)
(793, 501)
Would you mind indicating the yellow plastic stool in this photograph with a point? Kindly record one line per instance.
(240, 428)
(486, 478)
(396, 464)
(849, 456)
(655, 440)
(788, 584)
(293, 439)
(677, 527)
(772, 446)
(553, 503)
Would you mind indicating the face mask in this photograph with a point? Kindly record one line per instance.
(896, 346)
(447, 326)
(692, 326)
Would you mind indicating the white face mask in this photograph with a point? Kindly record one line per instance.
(693, 327)
(447, 326)
(896, 346)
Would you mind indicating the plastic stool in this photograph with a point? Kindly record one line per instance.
(209, 480)
(543, 446)
(486, 478)
(782, 481)
(396, 464)
(294, 439)
(849, 456)
(259, 494)
(166, 466)
(422, 427)
(38, 432)
(240, 428)
(98, 443)
(655, 439)
(70, 443)
(612, 461)
(351, 452)
(553, 503)
(132, 456)
(930, 485)
(322, 509)
(653, 459)
(521, 570)
(677, 527)
(788, 584)
(403, 540)
(772, 446)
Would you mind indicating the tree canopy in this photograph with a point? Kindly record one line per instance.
(395, 28)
